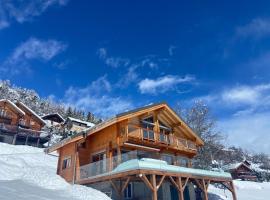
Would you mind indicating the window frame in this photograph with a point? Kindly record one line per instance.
(66, 162)
(126, 192)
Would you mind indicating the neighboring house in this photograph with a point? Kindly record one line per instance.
(75, 125)
(241, 171)
(141, 154)
(20, 125)
(53, 119)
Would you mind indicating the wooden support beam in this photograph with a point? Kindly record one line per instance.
(204, 190)
(181, 191)
(173, 182)
(115, 188)
(207, 184)
(160, 181)
(154, 185)
(185, 183)
(146, 181)
(233, 191)
(125, 185)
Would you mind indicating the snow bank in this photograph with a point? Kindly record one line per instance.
(27, 173)
(245, 190)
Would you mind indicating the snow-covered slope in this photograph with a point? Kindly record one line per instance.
(27, 173)
(245, 190)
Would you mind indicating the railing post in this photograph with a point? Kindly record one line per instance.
(14, 139)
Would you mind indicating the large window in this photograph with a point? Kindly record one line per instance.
(148, 128)
(66, 162)
(128, 193)
(164, 132)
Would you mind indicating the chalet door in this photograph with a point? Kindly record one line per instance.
(100, 162)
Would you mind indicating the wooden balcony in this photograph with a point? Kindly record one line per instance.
(13, 129)
(139, 135)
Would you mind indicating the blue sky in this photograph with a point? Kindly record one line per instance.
(110, 56)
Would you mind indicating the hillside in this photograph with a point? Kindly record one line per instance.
(43, 106)
(27, 173)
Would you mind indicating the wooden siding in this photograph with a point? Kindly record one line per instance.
(11, 115)
(65, 152)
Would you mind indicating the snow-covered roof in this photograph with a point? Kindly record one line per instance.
(31, 111)
(13, 105)
(154, 164)
(45, 117)
(234, 166)
(89, 124)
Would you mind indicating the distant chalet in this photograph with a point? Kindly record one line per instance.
(241, 171)
(20, 125)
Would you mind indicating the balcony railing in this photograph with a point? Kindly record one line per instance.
(19, 130)
(139, 133)
(109, 165)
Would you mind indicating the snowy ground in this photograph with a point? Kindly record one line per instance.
(27, 173)
(245, 190)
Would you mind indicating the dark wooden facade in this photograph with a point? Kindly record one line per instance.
(242, 171)
(19, 124)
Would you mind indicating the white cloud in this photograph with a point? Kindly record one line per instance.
(112, 61)
(171, 50)
(22, 11)
(251, 132)
(97, 98)
(163, 84)
(32, 49)
(245, 112)
(245, 94)
(257, 28)
(242, 98)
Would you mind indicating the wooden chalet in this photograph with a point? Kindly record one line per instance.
(145, 153)
(53, 119)
(241, 171)
(20, 125)
(76, 125)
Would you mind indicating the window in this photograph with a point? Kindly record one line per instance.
(128, 193)
(182, 161)
(148, 127)
(66, 163)
(168, 158)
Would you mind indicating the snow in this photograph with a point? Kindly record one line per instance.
(28, 173)
(245, 190)
(31, 111)
(13, 105)
(89, 124)
(154, 164)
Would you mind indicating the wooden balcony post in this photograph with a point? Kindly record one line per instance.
(154, 185)
(14, 139)
(233, 190)
(38, 141)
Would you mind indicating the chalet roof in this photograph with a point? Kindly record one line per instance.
(16, 108)
(18, 103)
(235, 166)
(123, 116)
(53, 116)
(89, 124)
